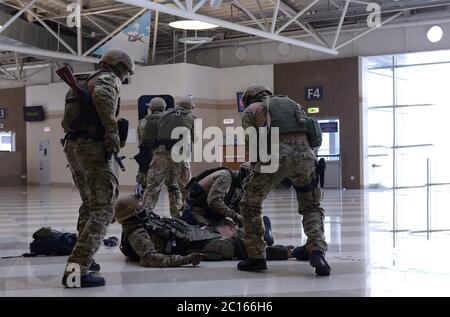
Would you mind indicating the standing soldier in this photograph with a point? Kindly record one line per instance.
(147, 136)
(297, 162)
(92, 137)
(163, 168)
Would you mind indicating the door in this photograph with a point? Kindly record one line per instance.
(330, 151)
(44, 163)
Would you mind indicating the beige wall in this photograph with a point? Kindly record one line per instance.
(215, 91)
(59, 174)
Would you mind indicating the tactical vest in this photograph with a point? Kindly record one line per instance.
(285, 114)
(180, 236)
(206, 173)
(170, 120)
(76, 118)
(149, 129)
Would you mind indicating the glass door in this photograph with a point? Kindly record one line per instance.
(408, 109)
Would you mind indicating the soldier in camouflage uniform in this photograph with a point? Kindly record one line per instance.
(296, 162)
(148, 247)
(147, 135)
(163, 168)
(165, 242)
(91, 139)
(213, 196)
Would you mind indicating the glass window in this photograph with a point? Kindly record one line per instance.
(407, 103)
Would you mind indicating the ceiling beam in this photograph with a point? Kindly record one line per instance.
(47, 54)
(341, 21)
(16, 16)
(226, 24)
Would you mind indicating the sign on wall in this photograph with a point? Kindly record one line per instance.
(144, 101)
(32, 114)
(3, 113)
(313, 110)
(313, 93)
(329, 127)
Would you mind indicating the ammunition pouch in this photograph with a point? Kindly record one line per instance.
(314, 132)
(122, 128)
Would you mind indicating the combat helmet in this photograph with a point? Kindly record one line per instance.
(187, 102)
(157, 104)
(117, 56)
(127, 207)
(255, 92)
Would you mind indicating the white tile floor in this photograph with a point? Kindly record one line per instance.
(361, 253)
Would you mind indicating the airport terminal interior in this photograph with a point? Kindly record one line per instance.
(372, 74)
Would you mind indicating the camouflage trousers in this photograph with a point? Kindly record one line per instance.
(144, 247)
(174, 175)
(297, 163)
(95, 180)
(141, 179)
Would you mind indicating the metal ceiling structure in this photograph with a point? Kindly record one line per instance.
(237, 20)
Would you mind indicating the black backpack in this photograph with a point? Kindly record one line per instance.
(52, 242)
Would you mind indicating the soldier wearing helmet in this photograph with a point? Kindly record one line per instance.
(147, 137)
(171, 242)
(91, 139)
(163, 168)
(145, 237)
(214, 195)
(213, 198)
(298, 135)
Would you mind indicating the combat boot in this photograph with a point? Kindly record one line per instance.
(300, 253)
(95, 267)
(268, 231)
(318, 262)
(88, 280)
(253, 265)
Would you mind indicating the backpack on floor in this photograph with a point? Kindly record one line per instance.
(52, 242)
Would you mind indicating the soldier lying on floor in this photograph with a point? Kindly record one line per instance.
(171, 242)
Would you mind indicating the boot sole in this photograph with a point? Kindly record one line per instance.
(253, 270)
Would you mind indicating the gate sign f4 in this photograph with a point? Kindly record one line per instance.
(313, 93)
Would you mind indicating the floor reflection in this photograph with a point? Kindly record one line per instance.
(358, 230)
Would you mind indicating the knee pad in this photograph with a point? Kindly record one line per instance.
(277, 253)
